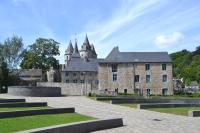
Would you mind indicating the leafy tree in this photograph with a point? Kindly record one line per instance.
(4, 76)
(186, 65)
(41, 55)
(11, 51)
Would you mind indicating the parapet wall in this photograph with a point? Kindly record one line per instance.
(34, 91)
(69, 88)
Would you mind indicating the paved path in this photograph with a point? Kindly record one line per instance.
(135, 120)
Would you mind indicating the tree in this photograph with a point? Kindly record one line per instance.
(4, 76)
(11, 51)
(41, 55)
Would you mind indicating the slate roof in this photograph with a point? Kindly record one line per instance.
(75, 52)
(78, 65)
(148, 57)
(70, 48)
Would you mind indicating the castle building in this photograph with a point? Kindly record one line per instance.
(124, 72)
(80, 66)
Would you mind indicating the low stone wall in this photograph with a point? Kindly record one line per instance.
(166, 105)
(69, 88)
(194, 113)
(118, 98)
(34, 91)
(33, 104)
(139, 101)
(11, 100)
(36, 112)
(80, 127)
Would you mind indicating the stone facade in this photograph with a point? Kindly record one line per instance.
(134, 74)
(126, 78)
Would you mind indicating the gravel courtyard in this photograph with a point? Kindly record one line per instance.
(135, 121)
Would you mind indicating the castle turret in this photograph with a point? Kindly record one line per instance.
(68, 52)
(86, 49)
(76, 52)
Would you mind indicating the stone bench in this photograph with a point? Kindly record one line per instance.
(165, 105)
(32, 104)
(80, 127)
(11, 100)
(194, 113)
(11, 114)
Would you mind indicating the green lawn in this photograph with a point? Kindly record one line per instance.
(177, 110)
(9, 125)
(22, 108)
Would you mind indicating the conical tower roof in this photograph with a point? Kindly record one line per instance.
(70, 48)
(93, 49)
(87, 43)
(76, 52)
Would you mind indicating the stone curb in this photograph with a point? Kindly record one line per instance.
(11, 114)
(32, 104)
(11, 100)
(79, 127)
(165, 105)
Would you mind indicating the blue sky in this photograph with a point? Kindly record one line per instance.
(133, 25)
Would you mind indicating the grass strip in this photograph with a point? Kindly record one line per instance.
(176, 110)
(10, 125)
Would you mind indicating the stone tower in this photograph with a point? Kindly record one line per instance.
(87, 50)
(68, 52)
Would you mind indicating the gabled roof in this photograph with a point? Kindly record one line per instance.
(117, 56)
(79, 65)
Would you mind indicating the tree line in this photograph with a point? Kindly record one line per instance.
(186, 65)
(39, 55)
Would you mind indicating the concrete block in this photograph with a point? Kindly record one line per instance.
(194, 113)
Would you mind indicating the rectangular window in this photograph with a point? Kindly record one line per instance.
(137, 78)
(148, 78)
(114, 67)
(114, 77)
(147, 67)
(75, 81)
(164, 79)
(82, 81)
(97, 82)
(164, 66)
(66, 74)
(67, 81)
(74, 74)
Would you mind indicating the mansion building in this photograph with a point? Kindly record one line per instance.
(123, 72)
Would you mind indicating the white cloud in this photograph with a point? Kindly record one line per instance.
(164, 41)
(128, 12)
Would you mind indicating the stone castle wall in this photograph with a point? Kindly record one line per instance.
(69, 88)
